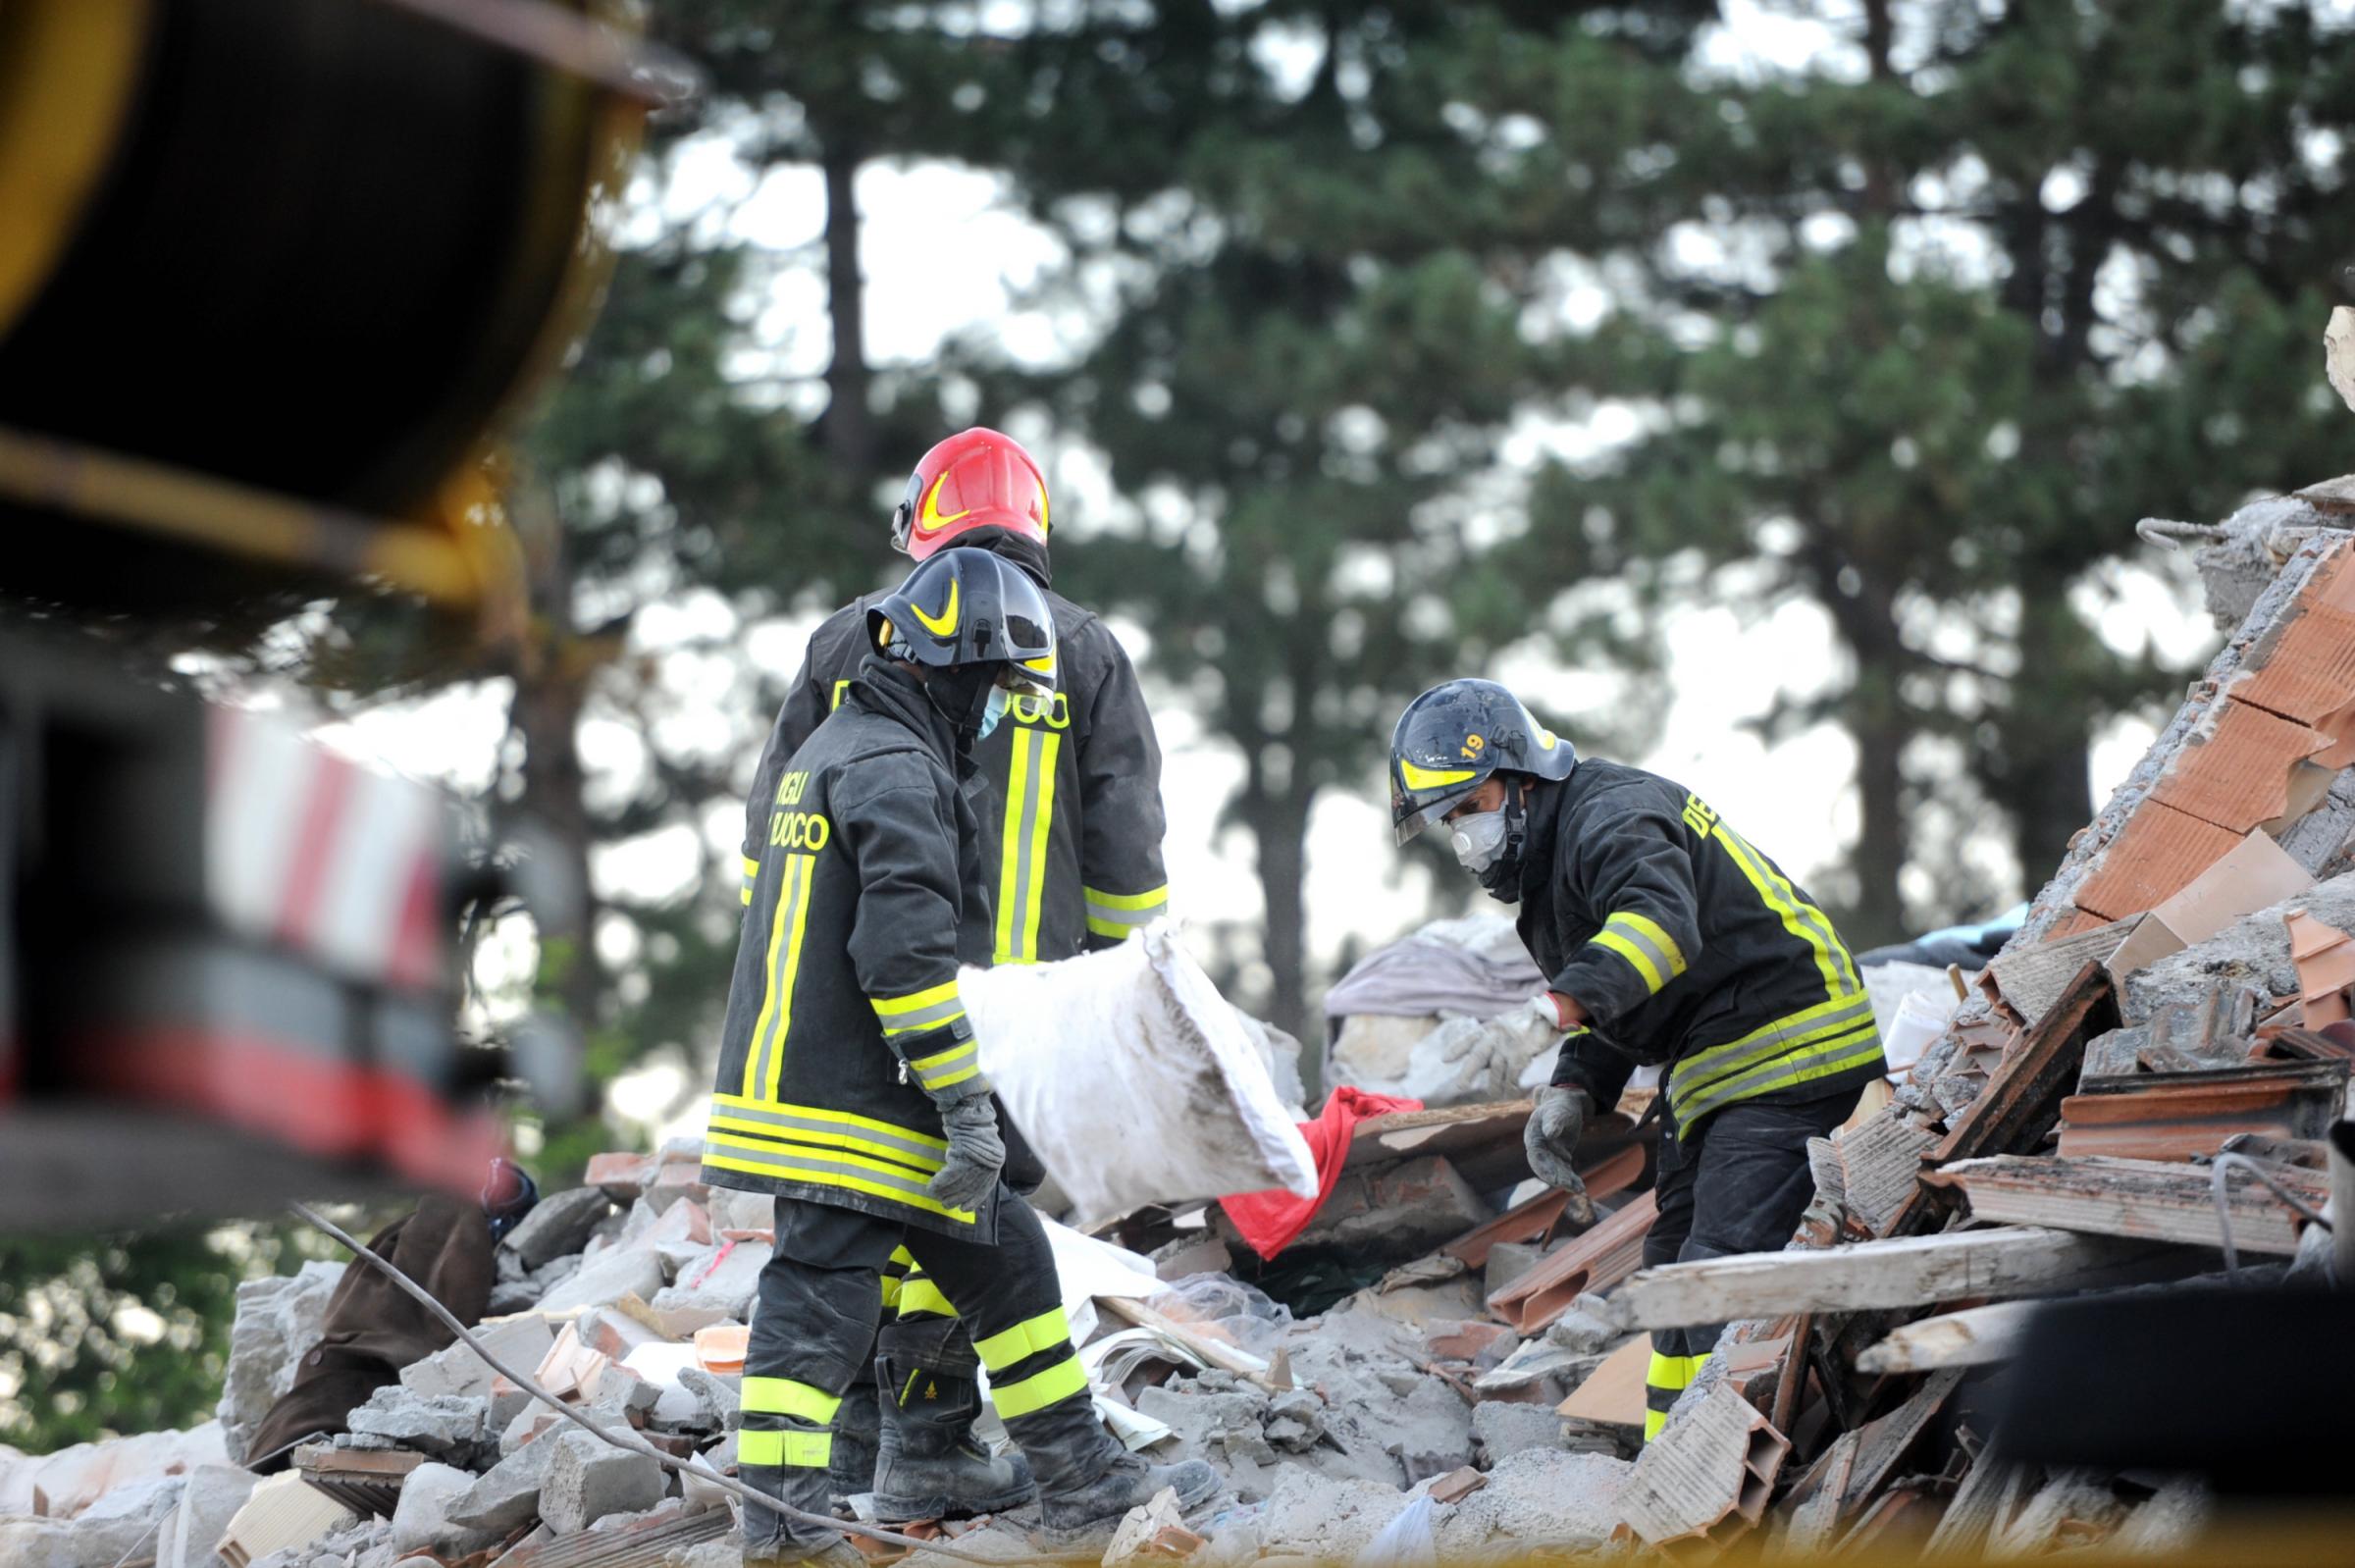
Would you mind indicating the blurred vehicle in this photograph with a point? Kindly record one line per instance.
(269, 273)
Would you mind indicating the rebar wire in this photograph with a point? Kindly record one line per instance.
(2225, 1165)
(636, 1445)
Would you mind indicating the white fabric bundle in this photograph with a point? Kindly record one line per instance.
(1134, 1078)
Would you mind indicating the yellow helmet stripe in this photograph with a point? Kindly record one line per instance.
(945, 625)
(1432, 778)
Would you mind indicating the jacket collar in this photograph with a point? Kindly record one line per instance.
(1021, 548)
(883, 688)
(1546, 801)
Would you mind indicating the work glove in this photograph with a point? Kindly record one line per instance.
(975, 1151)
(1552, 1137)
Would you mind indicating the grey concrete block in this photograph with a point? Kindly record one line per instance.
(212, 1498)
(605, 1278)
(506, 1497)
(558, 1224)
(443, 1426)
(1509, 1428)
(457, 1369)
(422, 1523)
(278, 1320)
(588, 1479)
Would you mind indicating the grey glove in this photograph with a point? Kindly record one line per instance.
(1551, 1141)
(975, 1151)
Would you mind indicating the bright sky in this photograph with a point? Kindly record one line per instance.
(1794, 800)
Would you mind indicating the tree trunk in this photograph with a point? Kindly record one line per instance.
(2048, 734)
(850, 430)
(550, 693)
(1279, 823)
(1875, 713)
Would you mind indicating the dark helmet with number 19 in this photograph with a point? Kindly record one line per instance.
(1452, 737)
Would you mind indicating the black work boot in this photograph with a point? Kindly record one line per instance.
(857, 1429)
(770, 1540)
(1088, 1482)
(929, 1465)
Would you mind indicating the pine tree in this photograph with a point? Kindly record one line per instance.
(1926, 328)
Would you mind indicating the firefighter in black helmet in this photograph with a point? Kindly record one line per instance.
(1067, 799)
(850, 1083)
(1666, 939)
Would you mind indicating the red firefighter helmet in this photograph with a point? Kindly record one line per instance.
(977, 478)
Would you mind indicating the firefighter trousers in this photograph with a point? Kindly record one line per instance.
(1737, 1182)
(813, 1331)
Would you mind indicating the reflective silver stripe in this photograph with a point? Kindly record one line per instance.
(1132, 918)
(1706, 1068)
(816, 1161)
(785, 955)
(949, 1066)
(918, 1155)
(925, 1017)
(1820, 1061)
(1668, 969)
(1820, 929)
(1029, 813)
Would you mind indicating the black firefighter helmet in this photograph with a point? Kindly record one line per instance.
(967, 608)
(1452, 737)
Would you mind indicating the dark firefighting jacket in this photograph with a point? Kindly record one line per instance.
(1067, 793)
(844, 1007)
(1686, 948)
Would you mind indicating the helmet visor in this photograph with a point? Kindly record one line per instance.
(1419, 795)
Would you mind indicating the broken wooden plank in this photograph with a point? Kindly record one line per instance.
(1706, 1480)
(1971, 1337)
(1905, 1272)
(2146, 1200)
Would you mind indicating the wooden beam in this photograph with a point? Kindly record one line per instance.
(2154, 1200)
(1971, 1337)
(1906, 1272)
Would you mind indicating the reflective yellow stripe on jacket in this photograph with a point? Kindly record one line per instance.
(1030, 818)
(1645, 944)
(825, 1148)
(1826, 1039)
(1117, 915)
(765, 1060)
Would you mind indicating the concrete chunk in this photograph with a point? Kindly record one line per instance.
(456, 1369)
(211, 1500)
(422, 1523)
(623, 1271)
(278, 1320)
(506, 1497)
(443, 1425)
(588, 1479)
(559, 1223)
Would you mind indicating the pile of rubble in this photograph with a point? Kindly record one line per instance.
(1435, 1368)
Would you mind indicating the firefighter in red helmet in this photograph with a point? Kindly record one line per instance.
(1068, 801)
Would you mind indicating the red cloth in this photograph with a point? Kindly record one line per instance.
(1271, 1219)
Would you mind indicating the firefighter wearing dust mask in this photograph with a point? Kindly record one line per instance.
(1665, 939)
